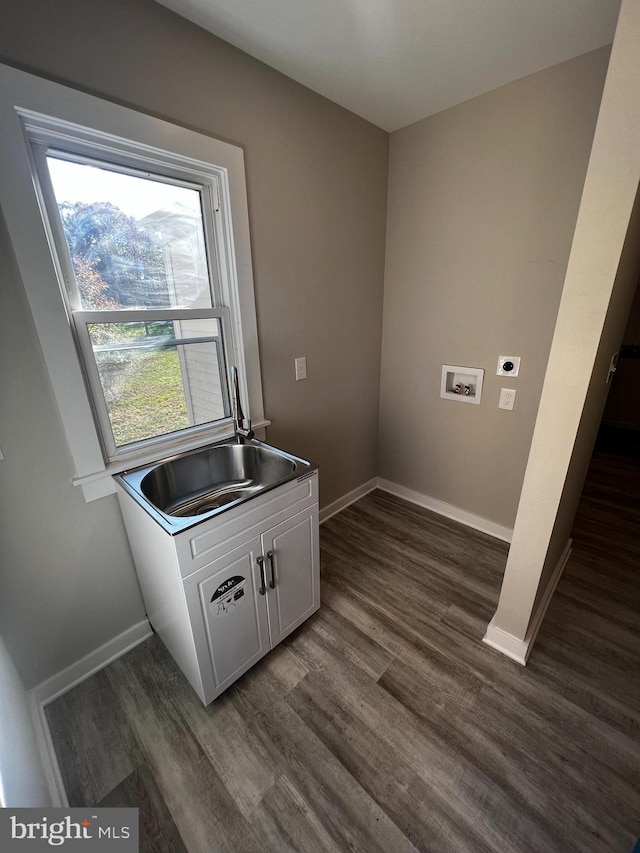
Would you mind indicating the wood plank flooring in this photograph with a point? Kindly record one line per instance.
(383, 723)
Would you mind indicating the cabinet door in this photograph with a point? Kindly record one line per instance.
(234, 613)
(292, 566)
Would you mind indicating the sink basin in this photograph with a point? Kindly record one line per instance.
(188, 488)
(197, 483)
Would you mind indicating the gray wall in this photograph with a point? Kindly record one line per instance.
(483, 200)
(317, 181)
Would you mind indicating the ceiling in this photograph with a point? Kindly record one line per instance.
(394, 62)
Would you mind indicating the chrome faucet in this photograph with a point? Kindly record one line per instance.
(240, 430)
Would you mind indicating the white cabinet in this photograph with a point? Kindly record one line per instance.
(245, 602)
(222, 594)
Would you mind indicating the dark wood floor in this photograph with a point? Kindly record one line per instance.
(384, 724)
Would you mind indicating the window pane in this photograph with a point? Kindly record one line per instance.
(160, 377)
(134, 242)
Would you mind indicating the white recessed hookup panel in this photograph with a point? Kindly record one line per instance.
(463, 384)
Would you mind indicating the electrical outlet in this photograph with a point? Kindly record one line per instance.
(301, 367)
(507, 398)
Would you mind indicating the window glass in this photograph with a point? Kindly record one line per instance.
(134, 241)
(160, 377)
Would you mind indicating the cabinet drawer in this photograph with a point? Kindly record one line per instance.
(201, 545)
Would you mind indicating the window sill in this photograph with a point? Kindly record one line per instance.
(100, 484)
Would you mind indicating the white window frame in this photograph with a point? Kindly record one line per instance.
(34, 111)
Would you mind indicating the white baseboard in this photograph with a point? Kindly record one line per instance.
(448, 510)
(506, 643)
(351, 497)
(426, 501)
(82, 669)
(513, 647)
(53, 687)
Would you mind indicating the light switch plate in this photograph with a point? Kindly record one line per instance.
(301, 368)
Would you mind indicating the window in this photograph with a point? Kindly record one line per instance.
(141, 286)
(132, 239)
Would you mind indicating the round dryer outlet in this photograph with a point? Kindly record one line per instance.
(508, 365)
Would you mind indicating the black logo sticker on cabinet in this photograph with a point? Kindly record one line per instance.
(227, 595)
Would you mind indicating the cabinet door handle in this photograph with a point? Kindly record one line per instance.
(260, 562)
(272, 582)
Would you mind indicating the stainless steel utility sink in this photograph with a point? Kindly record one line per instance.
(186, 489)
